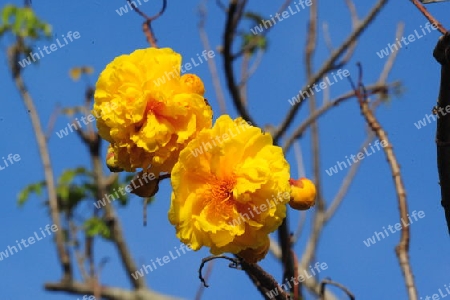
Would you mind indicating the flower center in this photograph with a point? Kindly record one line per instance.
(220, 203)
(153, 107)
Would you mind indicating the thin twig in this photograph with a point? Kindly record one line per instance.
(252, 69)
(299, 159)
(45, 159)
(254, 42)
(329, 65)
(109, 293)
(390, 62)
(263, 281)
(373, 89)
(403, 246)
(429, 16)
(310, 50)
(201, 288)
(211, 62)
(51, 122)
(346, 183)
(244, 76)
(342, 287)
(235, 263)
(111, 220)
(147, 25)
(233, 17)
(73, 231)
(299, 229)
(310, 281)
(355, 21)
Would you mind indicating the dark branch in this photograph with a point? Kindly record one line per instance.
(442, 55)
(233, 16)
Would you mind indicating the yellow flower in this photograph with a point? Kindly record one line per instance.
(303, 193)
(230, 189)
(147, 111)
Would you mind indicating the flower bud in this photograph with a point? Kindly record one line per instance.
(303, 194)
(143, 186)
(191, 83)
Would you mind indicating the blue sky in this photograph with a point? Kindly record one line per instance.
(369, 272)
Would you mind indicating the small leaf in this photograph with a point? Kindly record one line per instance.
(68, 175)
(96, 226)
(31, 188)
(7, 12)
(256, 42)
(23, 22)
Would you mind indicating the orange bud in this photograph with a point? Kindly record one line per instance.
(303, 194)
(191, 83)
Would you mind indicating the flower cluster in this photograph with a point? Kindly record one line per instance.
(160, 127)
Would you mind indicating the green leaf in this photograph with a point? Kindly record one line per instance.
(63, 192)
(76, 194)
(19, 22)
(8, 11)
(257, 42)
(70, 194)
(29, 189)
(96, 226)
(23, 22)
(68, 175)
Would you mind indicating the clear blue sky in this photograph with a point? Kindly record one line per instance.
(369, 272)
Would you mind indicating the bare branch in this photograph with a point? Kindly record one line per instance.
(390, 62)
(329, 64)
(147, 25)
(310, 281)
(233, 16)
(372, 89)
(201, 288)
(429, 16)
(211, 62)
(329, 281)
(62, 252)
(346, 183)
(110, 293)
(403, 246)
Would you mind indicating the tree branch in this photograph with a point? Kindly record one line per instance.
(298, 133)
(62, 252)
(110, 293)
(233, 16)
(403, 246)
(442, 55)
(329, 65)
